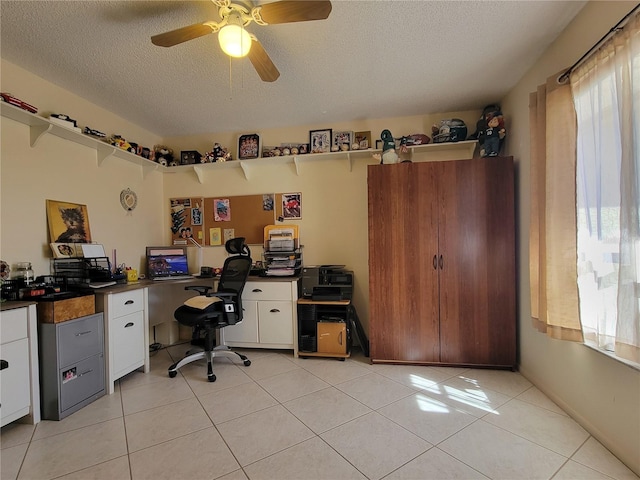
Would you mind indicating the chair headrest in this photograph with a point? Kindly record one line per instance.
(236, 246)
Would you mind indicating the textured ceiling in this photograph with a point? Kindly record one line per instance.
(369, 59)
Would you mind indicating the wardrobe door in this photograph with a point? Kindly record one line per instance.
(477, 274)
(403, 274)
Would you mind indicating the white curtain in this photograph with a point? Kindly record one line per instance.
(606, 94)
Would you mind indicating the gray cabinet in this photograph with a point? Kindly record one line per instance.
(72, 365)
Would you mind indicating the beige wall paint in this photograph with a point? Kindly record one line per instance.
(601, 393)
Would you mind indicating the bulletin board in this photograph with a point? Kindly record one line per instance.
(241, 216)
(187, 220)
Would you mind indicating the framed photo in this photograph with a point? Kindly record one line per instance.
(379, 144)
(363, 139)
(320, 141)
(341, 138)
(68, 222)
(249, 146)
(63, 250)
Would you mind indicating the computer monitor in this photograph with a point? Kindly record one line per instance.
(167, 261)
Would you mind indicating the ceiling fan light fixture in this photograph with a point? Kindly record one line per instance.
(234, 40)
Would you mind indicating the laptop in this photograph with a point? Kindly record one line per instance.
(167, 263)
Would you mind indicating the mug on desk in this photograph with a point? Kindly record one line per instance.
(132, 275)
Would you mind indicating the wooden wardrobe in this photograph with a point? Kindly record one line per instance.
(442, 280)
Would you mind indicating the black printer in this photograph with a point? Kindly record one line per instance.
(327, 282)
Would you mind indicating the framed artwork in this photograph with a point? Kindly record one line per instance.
(68, 222)
(292, 206)
(249, 146)
(363, 139)
(320, 141)
(341, 138)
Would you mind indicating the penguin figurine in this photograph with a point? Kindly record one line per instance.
(389, 154)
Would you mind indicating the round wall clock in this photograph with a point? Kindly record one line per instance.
(128, 199)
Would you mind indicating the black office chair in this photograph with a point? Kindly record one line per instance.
(212, 310)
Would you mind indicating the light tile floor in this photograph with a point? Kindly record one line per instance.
(287, 418)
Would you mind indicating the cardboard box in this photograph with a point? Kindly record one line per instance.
(68, 309)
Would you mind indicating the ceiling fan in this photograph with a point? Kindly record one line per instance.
(236, 41)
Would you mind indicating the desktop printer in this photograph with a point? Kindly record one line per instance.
(327, 282)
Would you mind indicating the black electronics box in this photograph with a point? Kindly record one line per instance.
(189, 157)
(327, 282)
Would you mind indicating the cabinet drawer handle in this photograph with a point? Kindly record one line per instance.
(83, 333)
(435, 262)
(4, 364)
(84, 373)
(274, 310)
(128, 302)
(256, 290)
(130, 324)
(340, 339)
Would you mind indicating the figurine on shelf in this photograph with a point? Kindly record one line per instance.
(389, 154)
(163, 155)
(493, 135)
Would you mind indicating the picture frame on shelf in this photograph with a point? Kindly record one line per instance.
(249, 146)
(320, 140)
(340, 138)
(363, 139)
(63, 250)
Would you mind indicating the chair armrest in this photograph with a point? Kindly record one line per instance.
(201, 289)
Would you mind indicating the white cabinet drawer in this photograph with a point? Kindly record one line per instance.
(14, 380)
(276, 320)
(127, 302)
(247, 330)
(267, 291)
(13, 325)
(126, 341)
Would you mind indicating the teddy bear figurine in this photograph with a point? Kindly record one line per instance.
(163, 155)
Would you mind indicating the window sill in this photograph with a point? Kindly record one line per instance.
(612, 355)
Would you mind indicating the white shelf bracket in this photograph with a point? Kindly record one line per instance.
(199, 173)
(245, 169)
(103, 151)
(296, 162)
(36, 132)
(350, 159)
(147, 168)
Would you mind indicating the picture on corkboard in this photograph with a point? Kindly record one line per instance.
(222, 211)
(68, 222)
(292, 206)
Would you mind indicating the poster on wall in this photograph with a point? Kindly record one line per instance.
(68, 222)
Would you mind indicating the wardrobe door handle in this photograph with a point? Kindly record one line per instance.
(441, 262)
(130, 324)
(435, 262)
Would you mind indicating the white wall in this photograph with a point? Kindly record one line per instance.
(601, 393)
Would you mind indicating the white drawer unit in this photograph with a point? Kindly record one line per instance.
(126, 332)
(269, 318)
(19, 374)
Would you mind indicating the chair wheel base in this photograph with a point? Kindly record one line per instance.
(211, 378)
(247, 363)
(172, 373)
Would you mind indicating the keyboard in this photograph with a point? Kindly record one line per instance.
(174, 277)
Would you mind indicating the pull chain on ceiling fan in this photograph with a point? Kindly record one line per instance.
(236, 41)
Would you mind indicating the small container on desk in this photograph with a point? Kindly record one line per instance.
(324, 328)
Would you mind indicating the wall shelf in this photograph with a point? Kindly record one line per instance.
(458, 150)
(39, 126)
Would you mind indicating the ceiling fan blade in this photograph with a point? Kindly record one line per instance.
(180, 35)
(262, 63)
(288, 11)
